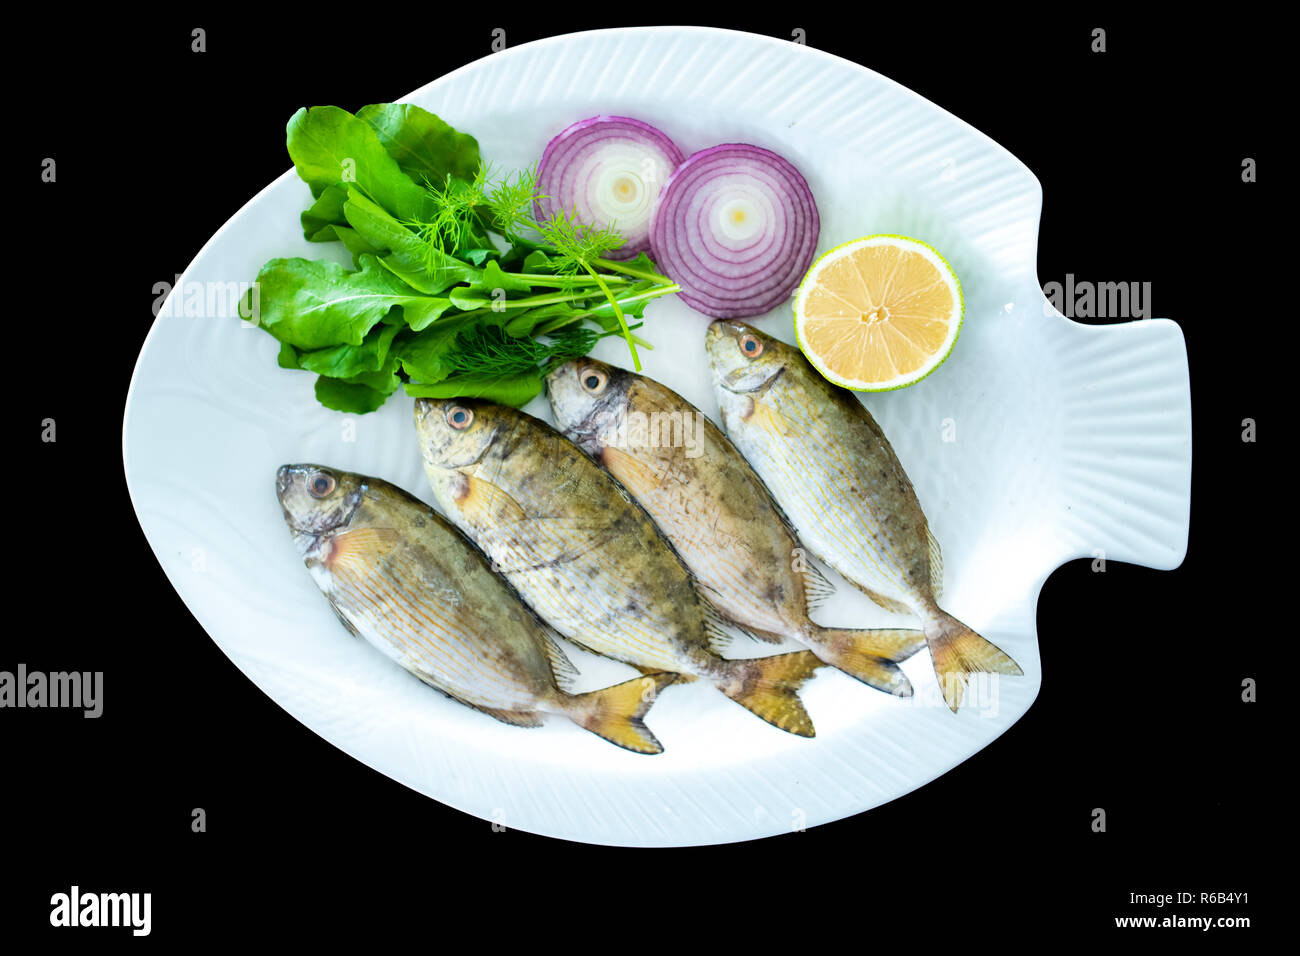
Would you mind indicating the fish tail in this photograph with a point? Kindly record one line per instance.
(957, 651)
(872, 656)
(766, 686)
(615, 712)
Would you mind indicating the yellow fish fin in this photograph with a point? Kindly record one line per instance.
(957, 651)
(766, 686)
(764, 416)
(358, 550)
(615, 712)
(871, 656)
(484, 503)
(636, 475)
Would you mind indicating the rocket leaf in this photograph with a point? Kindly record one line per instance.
(423, 145)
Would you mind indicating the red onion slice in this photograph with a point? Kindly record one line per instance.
(736, 228)
(610, 170)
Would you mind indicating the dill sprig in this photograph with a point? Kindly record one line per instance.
(511, 202)
(456, 223)
(578, 244)
(489, 351)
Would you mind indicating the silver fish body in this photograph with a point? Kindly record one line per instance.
(716, 512)
(585, 556)
(400, 577)
(832, 470)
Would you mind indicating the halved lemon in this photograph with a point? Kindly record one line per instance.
(878, 313)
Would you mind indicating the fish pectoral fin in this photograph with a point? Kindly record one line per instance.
(764, 416)
(515, 718)
(358, 549)
(615, 712)
(484, 503)
(636, 475)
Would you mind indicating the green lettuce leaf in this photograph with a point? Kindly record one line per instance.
(513, 390)
(331, 147)
(423, 145)
(353, 397)
(426, 357)
(314, 304)
(346, 361)
(325, 213)
(420, 265)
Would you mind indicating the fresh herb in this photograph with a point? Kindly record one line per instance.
(505, 206)
(485, 349)
(457, 288)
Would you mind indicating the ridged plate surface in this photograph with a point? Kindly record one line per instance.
(1039, 441)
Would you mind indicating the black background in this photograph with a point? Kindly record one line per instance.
(1139, 152)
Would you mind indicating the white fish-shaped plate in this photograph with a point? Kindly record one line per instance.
(1039, 441)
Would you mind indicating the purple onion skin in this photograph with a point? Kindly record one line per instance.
(748, 282)
(584, 134)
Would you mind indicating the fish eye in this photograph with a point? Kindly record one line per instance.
(460, 417)
(593, 380)
(751, 346)
(321, 485)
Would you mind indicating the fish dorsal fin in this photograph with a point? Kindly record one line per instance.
(936, 565)
(484, 503)
(357, 551)
(561, 667)
(817, 588)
